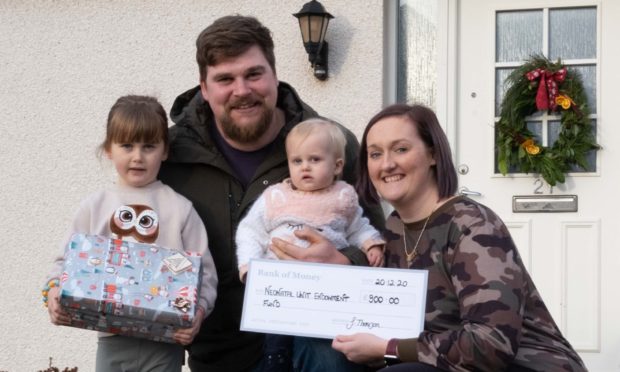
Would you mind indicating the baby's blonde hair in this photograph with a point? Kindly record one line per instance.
(336, 139)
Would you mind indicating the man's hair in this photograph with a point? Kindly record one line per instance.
(335, 138)
(231, 36)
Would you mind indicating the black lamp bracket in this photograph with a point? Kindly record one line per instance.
(320, 62)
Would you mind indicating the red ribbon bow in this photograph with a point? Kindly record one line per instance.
(547, 87)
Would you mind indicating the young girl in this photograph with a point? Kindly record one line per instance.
(312, 197)
(137, 142)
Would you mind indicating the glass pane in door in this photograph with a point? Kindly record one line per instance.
(572, 33)
(588, 78)
(417, 52)
(519, 34)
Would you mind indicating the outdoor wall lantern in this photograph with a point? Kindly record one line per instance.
(313, 21)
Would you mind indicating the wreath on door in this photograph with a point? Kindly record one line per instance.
(541, 85)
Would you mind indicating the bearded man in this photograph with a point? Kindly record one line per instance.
(226, 147)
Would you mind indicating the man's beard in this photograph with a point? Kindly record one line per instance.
(248, 133)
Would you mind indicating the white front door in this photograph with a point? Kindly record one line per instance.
(574, 257)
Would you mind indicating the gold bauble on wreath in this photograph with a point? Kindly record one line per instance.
(540, 85)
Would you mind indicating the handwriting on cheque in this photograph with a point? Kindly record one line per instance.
(272, 292)
(321, 300)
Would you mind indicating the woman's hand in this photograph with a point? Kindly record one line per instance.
(361, 348)
(57, 315)
(185, 336)
(320, 249)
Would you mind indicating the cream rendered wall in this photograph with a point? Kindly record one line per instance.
(63, 64)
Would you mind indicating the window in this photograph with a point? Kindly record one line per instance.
(569, 34)
(417, 60)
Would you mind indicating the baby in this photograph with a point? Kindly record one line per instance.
(312, 197)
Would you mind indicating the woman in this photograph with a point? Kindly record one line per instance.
(483, 311)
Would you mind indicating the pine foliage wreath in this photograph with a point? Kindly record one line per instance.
(540, 85)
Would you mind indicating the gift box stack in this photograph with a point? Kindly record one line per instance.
(133, 289)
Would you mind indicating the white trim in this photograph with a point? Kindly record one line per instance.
(447, 65)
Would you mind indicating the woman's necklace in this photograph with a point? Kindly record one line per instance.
(411, 255)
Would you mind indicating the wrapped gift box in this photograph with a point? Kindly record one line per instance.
(133, 289)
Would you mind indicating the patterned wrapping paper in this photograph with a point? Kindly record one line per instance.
(128, 288)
